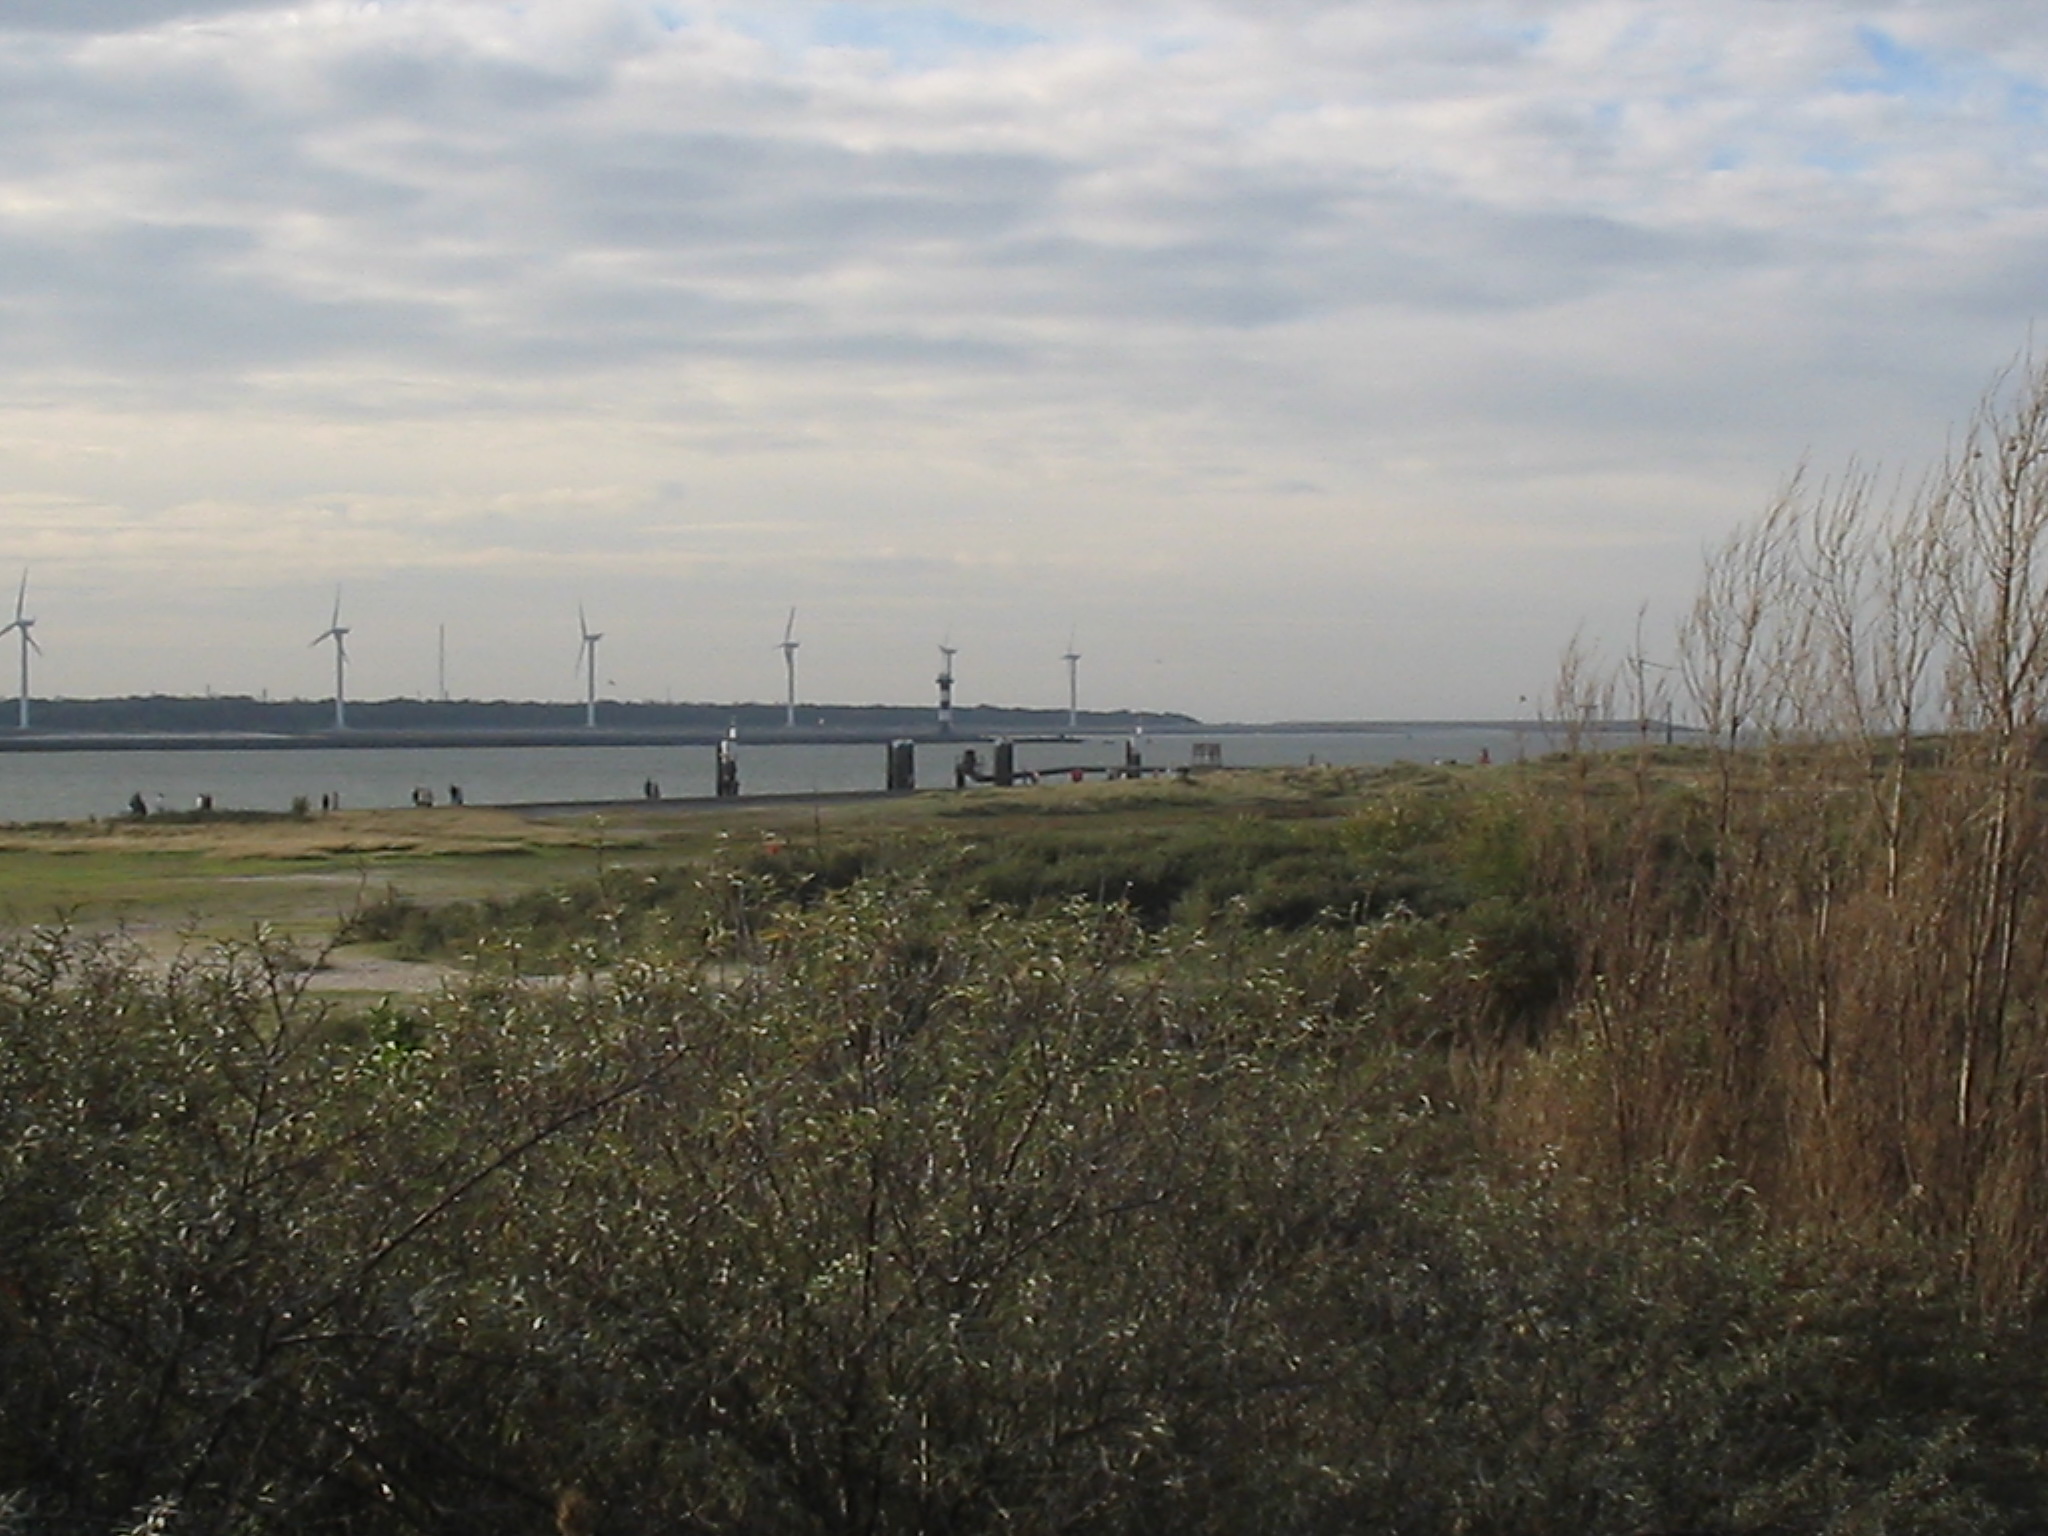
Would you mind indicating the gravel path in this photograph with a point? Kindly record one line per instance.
(354, 970)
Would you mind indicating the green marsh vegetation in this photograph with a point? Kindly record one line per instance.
(1643, 1141)
(228, 872)
(865, 1208)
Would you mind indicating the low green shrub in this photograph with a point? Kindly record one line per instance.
(895, 1220)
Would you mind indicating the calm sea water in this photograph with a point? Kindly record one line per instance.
(72, 786)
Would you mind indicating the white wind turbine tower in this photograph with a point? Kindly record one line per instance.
(22, 625)
(588, 657)
(788, 649)
(1073, 661)
(335, 631)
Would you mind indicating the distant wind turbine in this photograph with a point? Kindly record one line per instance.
(336, 631)
(788, 649)
(1073, 661)
(22, 625)
(588, 657)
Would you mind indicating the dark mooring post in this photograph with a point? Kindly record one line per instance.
(1006, 764)
(728, 769)
(902, 767)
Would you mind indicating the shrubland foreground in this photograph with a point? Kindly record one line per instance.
(1646, 1142)
(1289, 1152)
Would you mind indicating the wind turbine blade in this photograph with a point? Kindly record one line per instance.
(21, 596)
(789, 629)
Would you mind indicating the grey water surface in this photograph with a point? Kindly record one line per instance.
(74, 786)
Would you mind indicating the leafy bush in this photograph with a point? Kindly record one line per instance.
(890, 1221)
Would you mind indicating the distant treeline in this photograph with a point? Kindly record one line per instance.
(161, 714)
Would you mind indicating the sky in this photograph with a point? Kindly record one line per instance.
(1286, 359)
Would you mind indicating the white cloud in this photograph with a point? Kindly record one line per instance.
(1213, 322)
(102, 16)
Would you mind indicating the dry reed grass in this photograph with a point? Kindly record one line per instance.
(1820, 969)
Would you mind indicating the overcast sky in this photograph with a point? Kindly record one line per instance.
(1295, 359)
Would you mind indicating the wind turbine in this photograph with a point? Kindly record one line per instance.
(22, 625)
(1073, 661)
(946, 654)
(788, 649)
(588, 657)
(334, 631)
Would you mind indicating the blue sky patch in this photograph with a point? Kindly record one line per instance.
(1896, 69)
(1838, 160)
(1532, 34)
(2027, 102)
(1922, 78)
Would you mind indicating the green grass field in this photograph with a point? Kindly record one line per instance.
(303, 876)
